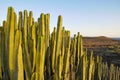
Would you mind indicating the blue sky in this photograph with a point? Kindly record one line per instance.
(89, 17)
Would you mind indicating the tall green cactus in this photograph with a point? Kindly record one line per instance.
(81, 60)
(47, 30)
(47, 48)
(28, 51)
(34, 47)
(40, 58)
(34, 76)
(58, 37)
(20, 21)
(78, 51)
(61, 62)
(26, 58)
(11, 33)
(52, 47)
(91, 67)
(5, 51)
(98, 68)
(104, 71)
(15, 22)
(58, 44)
(29, 37)
(66, 60)
(42, 25)
(1, 53)
(19, 72)
(73, 58)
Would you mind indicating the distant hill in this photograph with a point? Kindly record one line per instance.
(100, 41)
(106, 47)
(116, 39)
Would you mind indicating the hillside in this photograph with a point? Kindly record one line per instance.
(106, 47)
(98, 42)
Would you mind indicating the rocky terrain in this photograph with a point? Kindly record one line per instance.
(106, 47)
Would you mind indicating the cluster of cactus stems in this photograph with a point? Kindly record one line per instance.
(29, 52)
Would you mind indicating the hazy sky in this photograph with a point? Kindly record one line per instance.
(89, 17)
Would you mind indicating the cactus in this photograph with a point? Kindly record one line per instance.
(91, 67)
(1, 49)
(78, 51)
(47, 47)
(29, 37)
(34, 47)
(104, 71)
(82, 64)
(98, 68)
(5, 51)
(66, 67)
(20, 21)
(58, 45)
(52, 48)
(61, 63)
(26, 58)
(47, 30)
(72, 58)
(15, 22)
(42, 25)
(40, 58)
(34, 76)
(19, 73)
(28, 51)
(11, 33)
